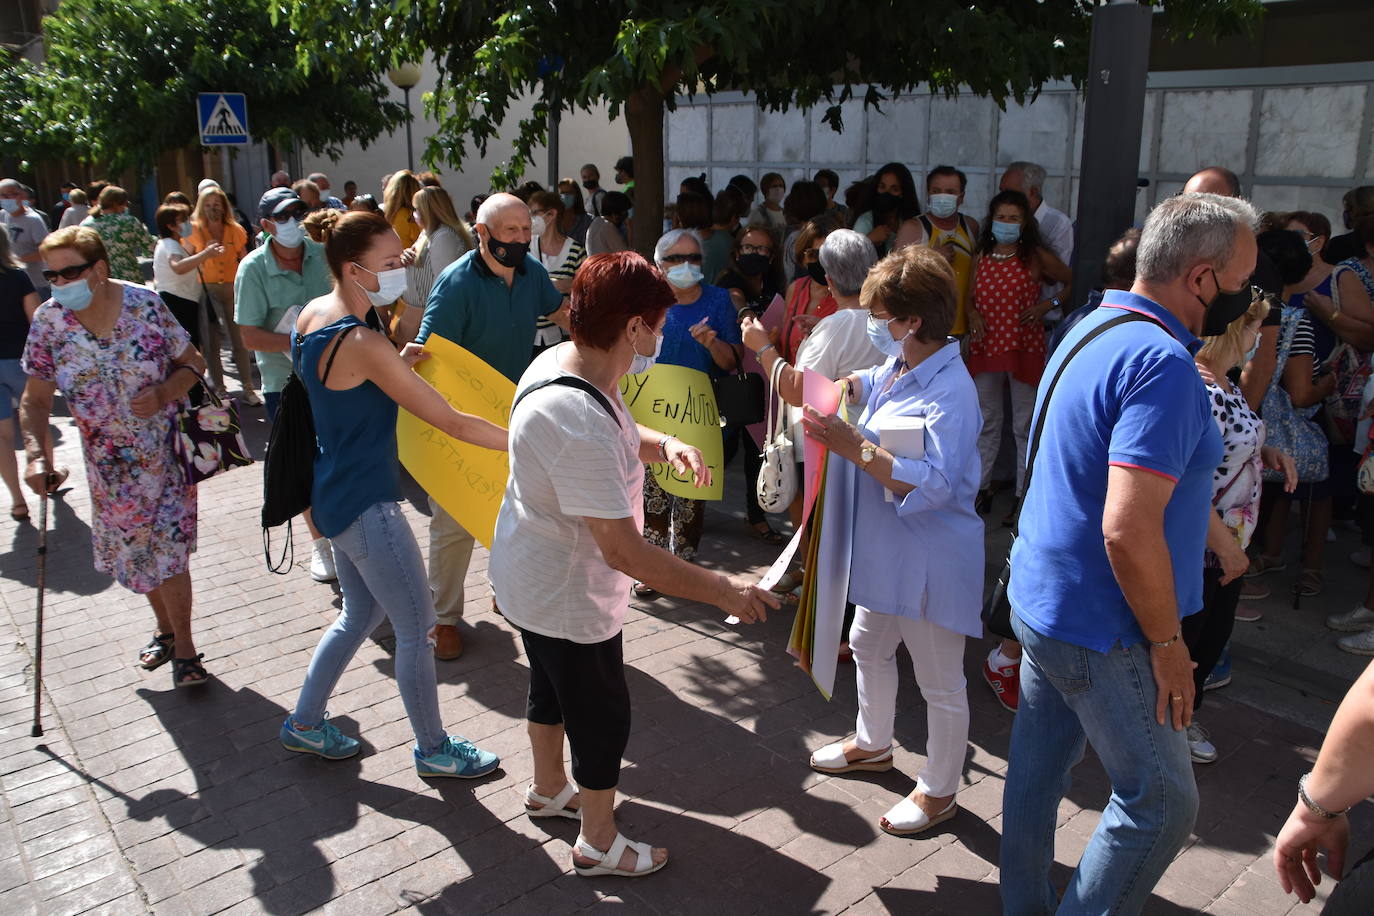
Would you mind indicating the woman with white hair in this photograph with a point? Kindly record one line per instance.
(700, 333)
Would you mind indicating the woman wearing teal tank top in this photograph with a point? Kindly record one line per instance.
(356, 490)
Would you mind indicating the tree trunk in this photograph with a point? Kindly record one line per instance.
(644, 116)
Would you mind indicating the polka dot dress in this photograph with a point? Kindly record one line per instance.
(1003, 290)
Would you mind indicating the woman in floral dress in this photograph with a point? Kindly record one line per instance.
(125, 237)
(1005, 319)
(122, 363)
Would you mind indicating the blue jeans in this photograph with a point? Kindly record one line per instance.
(381, 575)
(1070, 695)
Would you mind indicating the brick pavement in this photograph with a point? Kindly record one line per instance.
(142, 798)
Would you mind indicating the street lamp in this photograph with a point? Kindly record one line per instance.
(404, 76)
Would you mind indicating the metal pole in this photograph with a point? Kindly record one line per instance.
(410, 152)
(554, 117)
(1118, 63)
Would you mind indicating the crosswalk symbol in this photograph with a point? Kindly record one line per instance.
(223, 118)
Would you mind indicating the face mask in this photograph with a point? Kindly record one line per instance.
(508, 254)
(885, 204)
(569, 200)
(943, 205)
(881, 338)
(537, 226)
(1251, 353)
(752, 265)
(75, 295)
(589, 185)
(290, 234)
(186, 230)
(829, 192)
(66, 195)
(684, 276)
(775, 195)
(1005, 233)
(1226, 306)
(391, 284)
(642, 363)
(816, 272)
(9, 205)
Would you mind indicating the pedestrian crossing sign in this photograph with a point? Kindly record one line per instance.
(223, 118)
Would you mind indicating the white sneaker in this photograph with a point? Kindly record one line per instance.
(1362, 618)
(1357, 643)
(322, 561)
(1202, 750)
(1361, 558)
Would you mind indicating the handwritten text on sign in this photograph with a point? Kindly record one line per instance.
(467, 480)
(680, 401)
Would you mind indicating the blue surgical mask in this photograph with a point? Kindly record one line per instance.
(1005, 233)
(685, 275)
(186, 230)
(290, 234)
(943, 205)
(881, 337)
(642, 363)
(75, 295)
(569, 200)
(1252, 352)
(9, 205)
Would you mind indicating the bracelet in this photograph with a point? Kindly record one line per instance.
(1312, 806)
(663, 446)
(764, 349)
(1168, 642)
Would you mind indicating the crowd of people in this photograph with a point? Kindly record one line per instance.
(1231, 381)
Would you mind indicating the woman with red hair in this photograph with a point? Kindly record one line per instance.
(576, 498)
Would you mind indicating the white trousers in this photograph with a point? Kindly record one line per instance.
(937, 655)
(990, 399)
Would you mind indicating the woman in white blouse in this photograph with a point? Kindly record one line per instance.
(444, 240)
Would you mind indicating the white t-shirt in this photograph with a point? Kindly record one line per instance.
(167, 280)
(568, 461)
(837, 346)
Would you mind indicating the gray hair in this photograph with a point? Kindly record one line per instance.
(8, 183)
(847, 256)
(671, 238)
(1189, 229)
(493, 205)
(1032, 175)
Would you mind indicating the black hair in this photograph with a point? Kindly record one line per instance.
(696, 184)
(615, 202)
(828, 175)
(745, 185)
(626, 164)
(805, 201)
(1289, 253)
(910, 207)
(1029, 243)
(947, 170)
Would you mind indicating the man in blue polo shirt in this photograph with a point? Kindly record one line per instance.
(486, 302)
(1109, 560)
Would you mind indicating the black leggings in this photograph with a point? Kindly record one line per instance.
(737, 437)
(581, 686)
(187, 314)
(1207, 632)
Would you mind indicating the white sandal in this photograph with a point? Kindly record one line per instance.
(609, 861)
(907, 818)
(552, 807)
(831, 759)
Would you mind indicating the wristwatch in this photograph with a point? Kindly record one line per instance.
(866, 454)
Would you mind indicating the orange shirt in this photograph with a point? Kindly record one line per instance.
(223, 268)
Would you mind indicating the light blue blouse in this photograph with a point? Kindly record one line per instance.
(921, 556)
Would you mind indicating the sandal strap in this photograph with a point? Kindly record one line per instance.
(558, 802)
(644, 858)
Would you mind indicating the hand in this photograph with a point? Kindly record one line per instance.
(684, 458)
(1276, 460)
(806, 322)
(1326, 385)
(1319, 305)
(947, 251)
(1295, 850)
(215, 249)
(1173, 670)
(413, 353)
(880, 234)
(1234, 562)
(148, 401)
(407, 257)
(1036, 312)
(703, 333)
(747, 602)
(755, 334)
(833, 433)
(976, 325)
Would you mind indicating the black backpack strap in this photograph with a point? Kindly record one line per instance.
(571, 381)
(1038, 421)
(329, 363)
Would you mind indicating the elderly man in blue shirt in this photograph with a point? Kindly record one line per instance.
(916, 571)
(487, 302)
(1106, 566)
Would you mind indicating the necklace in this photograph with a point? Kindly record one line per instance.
(997, 256)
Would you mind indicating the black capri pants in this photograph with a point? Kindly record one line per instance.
(582, 687)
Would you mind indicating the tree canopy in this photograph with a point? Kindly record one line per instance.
(120, 79)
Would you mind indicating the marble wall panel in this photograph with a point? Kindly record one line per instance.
(1313, 130)
(687, 135)
(1036, 132)
(782, 135)
(837, 149)
(961, 130)
(898, 132)
(1205, 128)
(732, 133)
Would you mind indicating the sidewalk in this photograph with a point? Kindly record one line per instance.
(142, 798)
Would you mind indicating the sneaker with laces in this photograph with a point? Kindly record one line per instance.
(1005, 683)
(1362, 618)
(324, 740)
(1201, 749)
(456, 757)
(322, 561)
(1357, 643)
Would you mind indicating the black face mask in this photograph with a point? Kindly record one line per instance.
(589, 185)
(508, 254)
(752, 265)
(886, 204)
(1226, 306)
(816, 272)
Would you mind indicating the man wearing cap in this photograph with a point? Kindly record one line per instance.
(274, 282)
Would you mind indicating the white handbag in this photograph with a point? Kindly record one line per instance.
(777, 483)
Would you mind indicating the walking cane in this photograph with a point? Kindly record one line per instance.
(37, 730)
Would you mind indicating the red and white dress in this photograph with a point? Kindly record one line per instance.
(1002, 290)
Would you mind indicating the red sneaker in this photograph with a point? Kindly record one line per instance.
(1005, 683)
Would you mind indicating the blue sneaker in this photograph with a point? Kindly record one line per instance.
(1221, 674)
(456, 757)
(323, 741)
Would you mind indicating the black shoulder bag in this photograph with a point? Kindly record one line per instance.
(997, 608)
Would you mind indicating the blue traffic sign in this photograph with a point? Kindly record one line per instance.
(223, 118)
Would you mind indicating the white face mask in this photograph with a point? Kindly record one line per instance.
(392, 284)
(642, 363)
(290, 234)
(537, 225)
(684, 276)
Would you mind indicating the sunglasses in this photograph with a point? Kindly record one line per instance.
(68, 273)
(682, 259)
(293, 213)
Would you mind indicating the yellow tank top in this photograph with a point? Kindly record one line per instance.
(962, 263)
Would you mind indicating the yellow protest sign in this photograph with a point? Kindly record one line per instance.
(467, 480)
(680, 401)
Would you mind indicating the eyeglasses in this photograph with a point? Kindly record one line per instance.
(764, 250)
(681, 259)
(68, 273)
